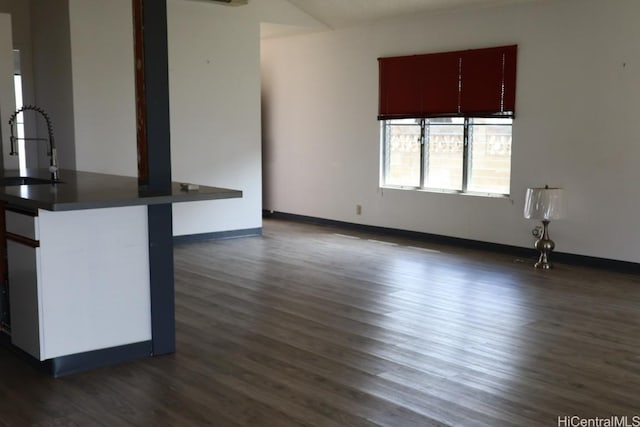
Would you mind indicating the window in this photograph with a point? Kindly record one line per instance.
(462, 154)
(17, 83)
(446, 120)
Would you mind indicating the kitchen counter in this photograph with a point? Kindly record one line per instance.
(89, 267)
(88, 190)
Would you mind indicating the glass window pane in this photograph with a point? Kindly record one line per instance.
(446, 120)
(402, 153)
(490, 156)
(20, 133)
(491, 121)
(403, 122)
(444, 157)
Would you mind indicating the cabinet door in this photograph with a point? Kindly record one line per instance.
(23, 297)
(23, 266)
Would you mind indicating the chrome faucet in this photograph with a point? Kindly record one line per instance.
(52, 153)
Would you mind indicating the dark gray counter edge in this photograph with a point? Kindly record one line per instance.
(79, 190)
(151, 200)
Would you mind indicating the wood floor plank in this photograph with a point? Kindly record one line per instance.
(320, 326)
(405, 405)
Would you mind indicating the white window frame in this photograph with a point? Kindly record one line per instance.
(424, 150)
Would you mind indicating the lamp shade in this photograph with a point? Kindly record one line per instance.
(544, 203)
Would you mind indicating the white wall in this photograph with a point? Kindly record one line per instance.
(20, 11)
(214, 74)
(84, 56)
(576, 127)
(52, 81)
(20, 28)
(103, 86)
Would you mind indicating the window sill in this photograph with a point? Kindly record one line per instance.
(451, 192)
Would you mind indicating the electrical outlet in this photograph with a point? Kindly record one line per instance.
(358, 209)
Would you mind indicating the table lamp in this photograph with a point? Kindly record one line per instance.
(544, 204)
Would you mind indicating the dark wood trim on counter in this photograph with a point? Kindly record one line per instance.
(26, 241)
(22, 211)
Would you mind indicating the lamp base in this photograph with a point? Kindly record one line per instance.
(545, 245)
(543, 265)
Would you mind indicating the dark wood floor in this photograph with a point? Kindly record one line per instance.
(319, 326)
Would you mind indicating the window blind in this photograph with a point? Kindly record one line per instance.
(476, 82)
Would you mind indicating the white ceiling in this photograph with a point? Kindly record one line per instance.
(344, 13)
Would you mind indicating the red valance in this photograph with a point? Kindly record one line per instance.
(475, 82)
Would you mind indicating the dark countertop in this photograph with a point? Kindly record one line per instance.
(88, 190)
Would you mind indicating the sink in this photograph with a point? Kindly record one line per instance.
(9, 181)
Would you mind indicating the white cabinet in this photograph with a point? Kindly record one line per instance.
(78, 280)
(23, 267)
